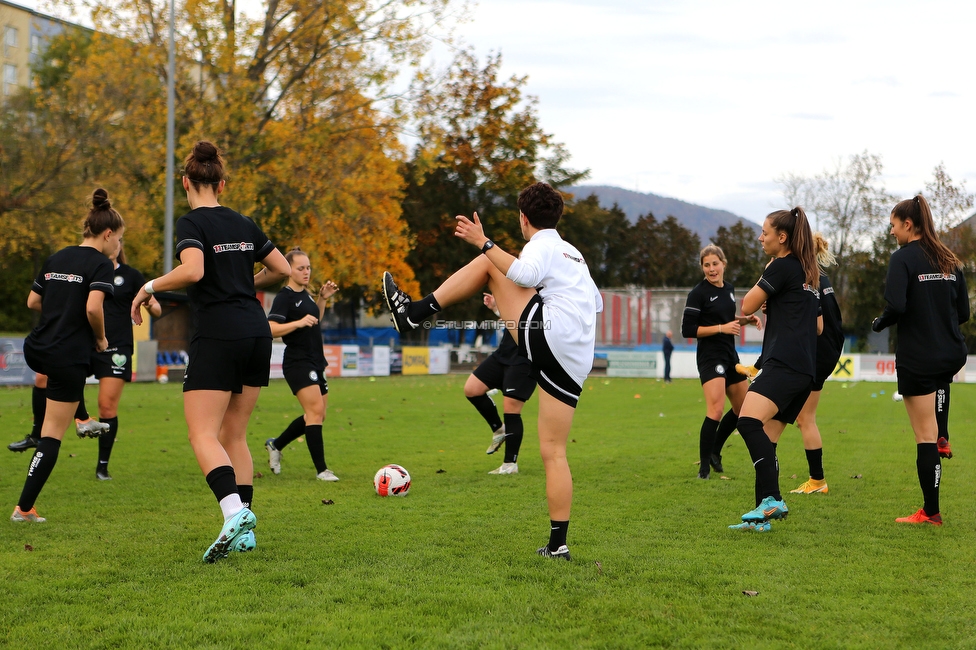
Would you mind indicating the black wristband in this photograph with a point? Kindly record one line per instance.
(488, 246)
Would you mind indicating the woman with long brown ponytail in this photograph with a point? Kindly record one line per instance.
(927, 297)
(789, 289)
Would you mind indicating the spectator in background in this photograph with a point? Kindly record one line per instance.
(668, 347)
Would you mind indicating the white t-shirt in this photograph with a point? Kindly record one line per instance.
(570, 298)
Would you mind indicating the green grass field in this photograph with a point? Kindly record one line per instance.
(453, 565)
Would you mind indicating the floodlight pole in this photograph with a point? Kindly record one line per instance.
(170, 146)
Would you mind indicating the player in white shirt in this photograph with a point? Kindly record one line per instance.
(549, 304)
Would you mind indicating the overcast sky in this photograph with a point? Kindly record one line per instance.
(710, 101)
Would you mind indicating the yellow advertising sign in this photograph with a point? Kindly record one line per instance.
(844, 368)
(416, 361)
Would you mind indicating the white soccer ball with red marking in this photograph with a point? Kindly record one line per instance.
(896, 396)
(392, 480)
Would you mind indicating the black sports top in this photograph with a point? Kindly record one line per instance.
(792, 307)
(708, 305)
(224, 302)
(305, 343)
(118, 321)
(830, 343)
(928, 307)
(64, 337)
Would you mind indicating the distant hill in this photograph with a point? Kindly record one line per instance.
(699, 219)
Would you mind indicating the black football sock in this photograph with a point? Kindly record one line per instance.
(815, 461)
(222, 482)
(81, 413)
(247, 495)
(313, 438)
(557, 534)
(929, 475)
(513, 436)
(725, 429)
(487, 409)
(942, 408)
(418, 310)
(763, 454)
(706, 443)
(39, 407)
(291, 433)
(759, 490)
(44, 460)
(105, 443)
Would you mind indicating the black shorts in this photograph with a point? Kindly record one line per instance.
(784, 387)
(709, 370)
(114, 362)
(825, 368)
(545, 368)
(227, 365)
(304, 374)
(514, 380)
(913, 385)
(66, 384)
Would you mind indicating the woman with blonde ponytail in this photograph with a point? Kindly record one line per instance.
(927, 297)
(789, 289)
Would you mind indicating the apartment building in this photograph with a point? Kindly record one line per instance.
(25, 33)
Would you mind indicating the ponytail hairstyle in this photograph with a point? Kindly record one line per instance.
(821, 249)
(799, 240)
(938, 254)
(290, 255)
(204, 166)
(102, 216)
(711, 249)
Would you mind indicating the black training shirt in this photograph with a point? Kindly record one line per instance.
(64, 337)
(928, 307)
(224, 303)
(305, 343)
(792, 307)
(830, 343)
(118, 320)
(708, 305)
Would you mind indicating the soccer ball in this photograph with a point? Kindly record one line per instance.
(392, 480)
(896, 396)
(163, 379)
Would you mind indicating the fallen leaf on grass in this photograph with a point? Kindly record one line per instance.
(856, 476)
(794, 476)
(751, 593)
(725, 478)
(163, 450)
(697, 462)
(28, 547)
(573, 440)
(328, 502)
(841, 430)
(259, 475)
(441, 471)
(72, 455)
(599, 567)
(637, 396)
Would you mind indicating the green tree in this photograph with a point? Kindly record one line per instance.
(744, 253)
(480, 144)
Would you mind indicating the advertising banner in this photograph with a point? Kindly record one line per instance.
(416, 360)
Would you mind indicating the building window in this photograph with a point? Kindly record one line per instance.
(9, 79)
(10, 37)
(35, 43)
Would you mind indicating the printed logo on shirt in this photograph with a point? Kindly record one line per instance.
(828, 291)
(314, 376)
(720, 369)
(575, 259)
(298, 304)
(232, 248)
(713, 299)
(64, 277)
(929, 277)
(809, 287)
(118, 281)
(732, 295)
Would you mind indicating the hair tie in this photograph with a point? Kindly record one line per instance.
(795, 212)
(915, 198)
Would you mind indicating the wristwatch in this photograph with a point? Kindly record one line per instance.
(488, 246)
